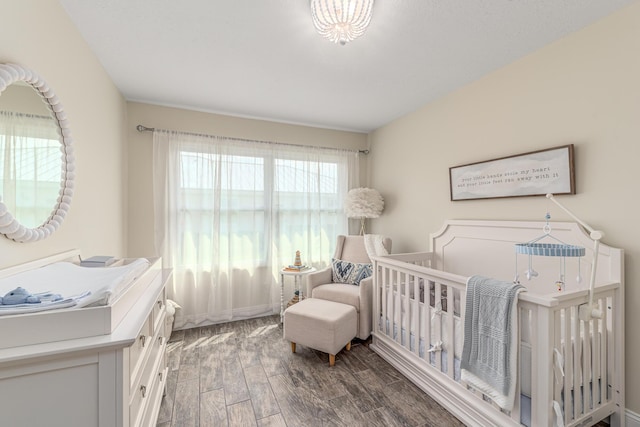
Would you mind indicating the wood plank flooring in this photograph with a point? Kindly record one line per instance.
(244, 374)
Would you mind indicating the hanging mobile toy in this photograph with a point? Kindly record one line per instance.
(559, 249)
(588, 310)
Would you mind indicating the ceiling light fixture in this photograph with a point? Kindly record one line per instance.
(341, 20)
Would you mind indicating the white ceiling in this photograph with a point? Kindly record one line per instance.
(263, 59)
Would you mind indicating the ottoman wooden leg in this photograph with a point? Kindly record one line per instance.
(349, 346)
(293, 347)
(332, 359)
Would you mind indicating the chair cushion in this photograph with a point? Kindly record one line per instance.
(351, 248)
(349, 272)
(339, 292)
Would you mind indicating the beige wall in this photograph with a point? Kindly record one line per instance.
(38, 34)
(140, 150)
(585, 90)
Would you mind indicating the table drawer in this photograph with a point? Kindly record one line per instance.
(142, 391)
(138, 348)
(159, 309)
(151, 413)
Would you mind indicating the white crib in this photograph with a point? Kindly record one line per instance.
(570, 371)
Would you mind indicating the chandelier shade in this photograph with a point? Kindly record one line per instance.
(341, 21)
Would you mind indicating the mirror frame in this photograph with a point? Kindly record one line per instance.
(9, 225)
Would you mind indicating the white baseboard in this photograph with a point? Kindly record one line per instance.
(632, 419)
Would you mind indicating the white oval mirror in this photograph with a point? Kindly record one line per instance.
(36, 157)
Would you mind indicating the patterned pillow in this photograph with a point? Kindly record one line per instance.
(349, 272)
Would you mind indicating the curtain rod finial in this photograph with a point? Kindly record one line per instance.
(141, 128)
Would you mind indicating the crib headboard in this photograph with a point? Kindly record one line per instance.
(469, 247)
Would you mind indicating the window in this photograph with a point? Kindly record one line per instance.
(251, 198)
(231, 213)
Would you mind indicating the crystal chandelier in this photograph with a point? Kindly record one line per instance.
(341, 20)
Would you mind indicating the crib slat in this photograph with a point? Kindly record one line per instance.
(383, 299)
(451, 320)
(586, 366)
(611, 375)
(389, 312)
(541, 357)
(428, 324)
(415, 319)
(577, 374)
(569, 406)
(405, 306)
(534, 362)
(604, 379)
(416, 309)
(418, 320)
(437, 324)
(389, 302)
(382, 293)
(397, 313)
(557, 344)
(400, 318)
(595, 363)
(515, 412)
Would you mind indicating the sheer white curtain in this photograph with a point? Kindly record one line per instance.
(30, 166)
(230, 213)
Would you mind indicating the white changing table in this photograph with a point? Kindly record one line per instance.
(113, 377)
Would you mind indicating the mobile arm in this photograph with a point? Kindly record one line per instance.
(587, 311)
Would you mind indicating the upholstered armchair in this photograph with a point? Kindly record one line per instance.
(349, 250)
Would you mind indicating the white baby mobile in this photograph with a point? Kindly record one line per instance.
(558, 249)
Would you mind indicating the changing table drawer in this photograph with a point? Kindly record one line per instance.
(139, 351)
(159, 311)
(143, 351)
(148, 369)
(153, 406)
(139, 347)
(145, 388)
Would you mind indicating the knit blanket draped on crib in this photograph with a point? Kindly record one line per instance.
(489, 354)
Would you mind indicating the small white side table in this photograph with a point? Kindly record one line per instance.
(297, 282)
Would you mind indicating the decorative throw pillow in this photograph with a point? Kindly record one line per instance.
(349, 272)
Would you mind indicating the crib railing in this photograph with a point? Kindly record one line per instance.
(565, 364)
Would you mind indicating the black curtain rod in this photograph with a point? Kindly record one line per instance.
(141, 128)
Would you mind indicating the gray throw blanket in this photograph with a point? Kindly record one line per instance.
(489, 353)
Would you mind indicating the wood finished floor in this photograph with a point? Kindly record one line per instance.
(244, 374)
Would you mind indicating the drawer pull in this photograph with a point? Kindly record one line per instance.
(143, 339)
(159, 303)
(143, 390)
(160, 376)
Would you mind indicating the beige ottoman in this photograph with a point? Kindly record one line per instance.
(322, 325)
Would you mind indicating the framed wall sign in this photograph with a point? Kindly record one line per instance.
(529, 174)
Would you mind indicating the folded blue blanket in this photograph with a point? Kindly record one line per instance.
(489, 351)
(32, 303)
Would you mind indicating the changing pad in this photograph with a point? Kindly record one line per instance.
(114, 291)
(88, 287)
